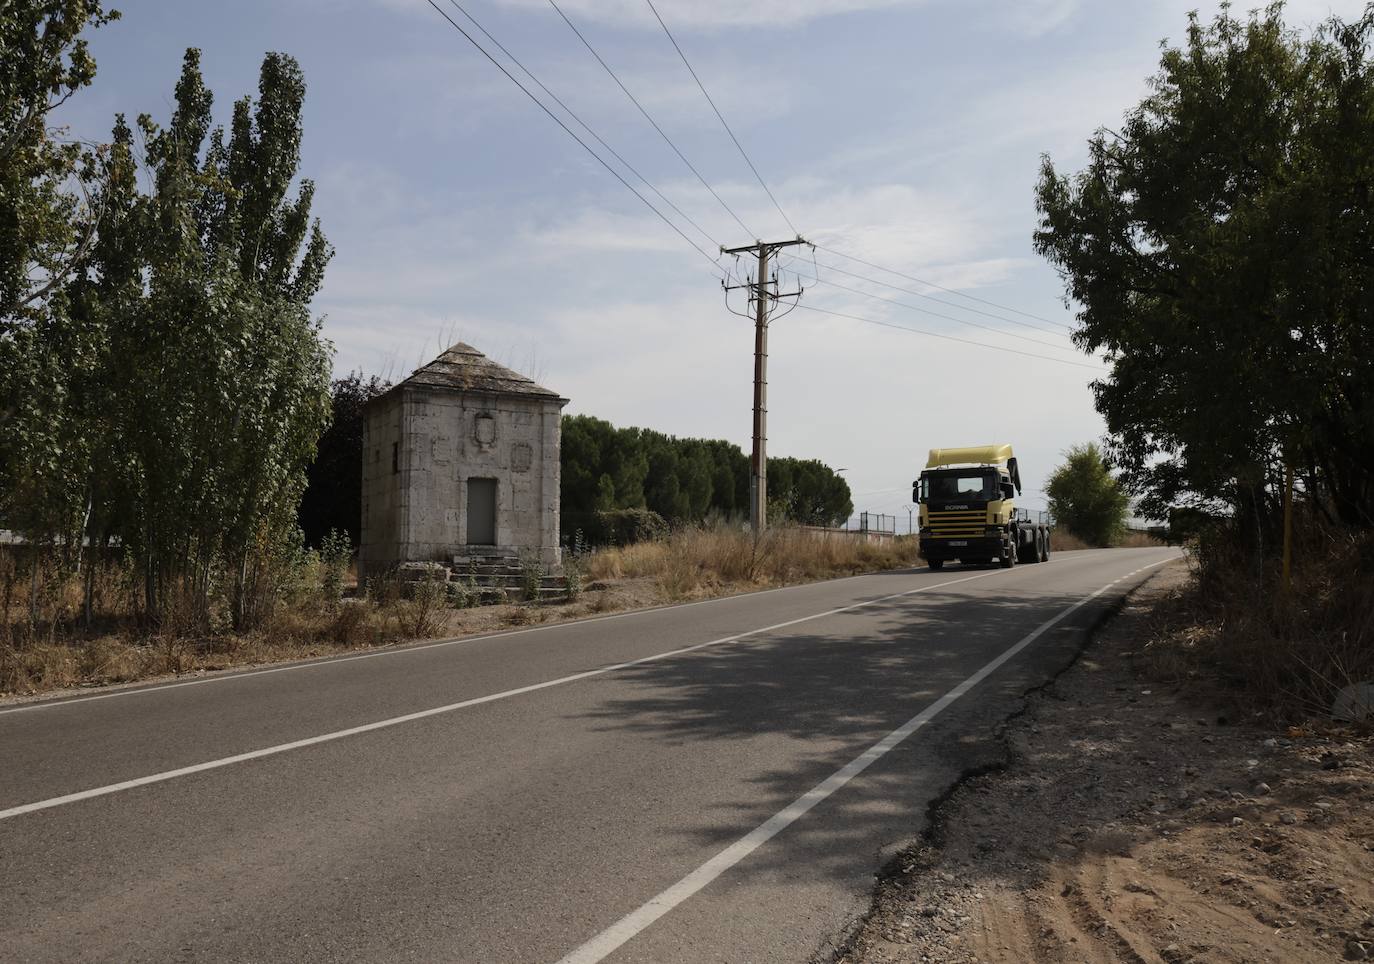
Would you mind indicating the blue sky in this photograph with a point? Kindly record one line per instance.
(904, 133)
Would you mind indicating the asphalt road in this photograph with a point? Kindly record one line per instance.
(528, 797)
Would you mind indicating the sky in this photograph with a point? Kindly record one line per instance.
(907, 134)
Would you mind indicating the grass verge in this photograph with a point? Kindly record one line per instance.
(47, 645)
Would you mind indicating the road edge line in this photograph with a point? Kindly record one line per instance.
(634, 923)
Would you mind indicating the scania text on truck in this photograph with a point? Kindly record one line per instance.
(968, 513)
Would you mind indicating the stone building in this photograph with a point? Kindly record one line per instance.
(460, 461)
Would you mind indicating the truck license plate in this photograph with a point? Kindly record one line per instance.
(959, 542)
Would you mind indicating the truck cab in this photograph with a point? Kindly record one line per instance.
(968, 512)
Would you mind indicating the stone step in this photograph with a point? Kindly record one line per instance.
(505, 579)
(513, 594)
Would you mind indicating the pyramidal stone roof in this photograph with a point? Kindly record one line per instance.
(462, 368)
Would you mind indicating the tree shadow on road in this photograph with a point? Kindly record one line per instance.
(804, 702)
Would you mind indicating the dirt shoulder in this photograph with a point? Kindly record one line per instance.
(1143, 822)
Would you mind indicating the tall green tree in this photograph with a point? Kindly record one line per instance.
(48, 221)
(1221, 247)
(1085, 499)
(808, 492)
(229, 386)
(45, 228)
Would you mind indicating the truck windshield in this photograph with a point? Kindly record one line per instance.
(943, 488)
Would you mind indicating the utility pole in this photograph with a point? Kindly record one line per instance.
(763, 298)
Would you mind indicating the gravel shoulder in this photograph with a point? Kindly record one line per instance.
(1133, 820)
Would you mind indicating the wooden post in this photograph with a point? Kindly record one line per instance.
(1287, 525)
(758, 462)
(764, 297)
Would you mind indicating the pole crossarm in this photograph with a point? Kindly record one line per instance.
(759, 245)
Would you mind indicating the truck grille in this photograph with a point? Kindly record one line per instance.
(957, 525)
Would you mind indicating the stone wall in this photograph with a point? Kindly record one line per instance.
(441, 440)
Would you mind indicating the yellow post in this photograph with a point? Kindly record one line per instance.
(1287, 525)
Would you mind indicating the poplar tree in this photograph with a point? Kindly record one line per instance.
(48, 224)
(229, 375)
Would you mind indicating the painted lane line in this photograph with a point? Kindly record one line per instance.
(397, 651)
(623, 930)
(166, 775)
(230, 676)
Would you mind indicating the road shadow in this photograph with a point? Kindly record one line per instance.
(808, 702)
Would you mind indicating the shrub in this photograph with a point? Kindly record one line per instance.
(572, 575)
(1289, 650)
(336, 551)
(423, 612)
(531, 575)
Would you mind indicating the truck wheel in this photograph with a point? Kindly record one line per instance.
(1045, 546)
(1009, 560)
(1028, 550)
(935, 564)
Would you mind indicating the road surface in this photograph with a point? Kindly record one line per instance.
(710, 782)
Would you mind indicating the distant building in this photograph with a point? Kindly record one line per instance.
(460, 461)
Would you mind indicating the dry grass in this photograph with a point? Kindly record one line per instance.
(697, 562)
(55, 649)
(1290, 651)
(1062, 540)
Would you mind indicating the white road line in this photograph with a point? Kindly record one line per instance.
(392, 651)
(605, 943)
(230, 676)
(449, 708)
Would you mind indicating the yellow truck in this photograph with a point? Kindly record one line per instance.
(967, 512)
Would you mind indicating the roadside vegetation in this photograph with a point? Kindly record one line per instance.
(700, 561)
(48, 642)
(1219, 246)
(163, 383)
(1085, 499)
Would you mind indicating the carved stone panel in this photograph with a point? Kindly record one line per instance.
(484, 429)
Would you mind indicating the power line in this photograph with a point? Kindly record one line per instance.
(573, 114)
(723, 123)
(936, 334)
(931, 284)
(585, 146)
(817, 279)
(936, 314)
(634, 100)
(938, 301)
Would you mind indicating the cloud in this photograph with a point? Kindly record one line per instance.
(712, 14)
(1035, 18)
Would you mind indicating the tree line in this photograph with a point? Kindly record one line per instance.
(606, 468)
(162, 380)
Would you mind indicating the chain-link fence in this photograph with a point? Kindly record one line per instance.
(877, 522)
